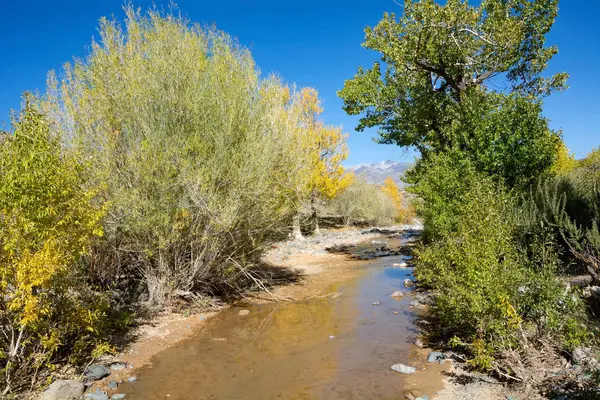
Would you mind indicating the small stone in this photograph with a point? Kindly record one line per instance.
(63, 390)
(97, 395)
(422, 398)
(118, 366)
(397, 294)
(400, 265)
(376, 303)
(112, 385)
(419, 343)
(331, 337)
(582, 355)
(118, 396)
(408, 283)
(436, 356)
(395, 312)
(202, 318)
(243, 313)
(132, 379)
(96, 372)
(403, 369)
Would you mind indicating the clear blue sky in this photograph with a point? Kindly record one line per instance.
(310, 43)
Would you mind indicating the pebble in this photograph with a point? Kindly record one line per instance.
(132, 379)
(202, 318)
(403, 369)
(96, 395)
(331, 337)
(96, 372)
(436, 356)
(401, 265)
(118, 396)
(112, 385)
(376, 303)
(408, 283)
(243, 313)
(118, 366)
(419, 343)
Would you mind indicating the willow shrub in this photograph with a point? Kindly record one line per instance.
(199, 153)
(489, 287)
(47, 220)
(364, 203)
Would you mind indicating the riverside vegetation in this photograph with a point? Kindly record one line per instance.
(154, 170)
(159, 167)
(508, 213)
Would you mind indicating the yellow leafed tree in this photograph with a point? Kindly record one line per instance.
(326, 149)
(391, 189)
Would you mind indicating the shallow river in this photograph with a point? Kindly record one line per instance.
(329, 348)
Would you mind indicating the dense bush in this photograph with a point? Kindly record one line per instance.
(364, 203)
(203, 159)
(47, 219)
(489, 286)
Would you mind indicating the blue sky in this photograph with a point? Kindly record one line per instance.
(311, 43)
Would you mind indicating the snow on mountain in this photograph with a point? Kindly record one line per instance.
(378, 172)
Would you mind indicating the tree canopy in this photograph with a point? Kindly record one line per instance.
(437, 81)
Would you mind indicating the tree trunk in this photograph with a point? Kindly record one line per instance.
(297, 232)
(315, 216)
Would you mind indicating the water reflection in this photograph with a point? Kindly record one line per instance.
(284, 350)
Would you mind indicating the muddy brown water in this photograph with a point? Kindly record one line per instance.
(327, 348)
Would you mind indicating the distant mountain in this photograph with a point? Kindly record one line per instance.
(378, 172)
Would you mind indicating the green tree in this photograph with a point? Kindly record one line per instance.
(434, 86)
(47, 219)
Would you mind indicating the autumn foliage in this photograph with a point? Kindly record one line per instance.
(47, 221)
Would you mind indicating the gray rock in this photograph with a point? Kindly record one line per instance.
(112, 385)
(376, 303)
(582, 355)
(96, 372)
(243, 313)
(63, 390)
(132, 379)
(408, 283)
(118, 396)
(118, 366)
(436, 356)
(96, 395)
(397, 294)
(403, 369)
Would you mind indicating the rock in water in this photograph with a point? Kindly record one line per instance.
(243, 313)
(408, 283)
(96, 372)
(436, 356)
(97, 395)
(397, 294)
(63, 390)
(403, 369)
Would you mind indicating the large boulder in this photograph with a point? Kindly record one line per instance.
(63, 390)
